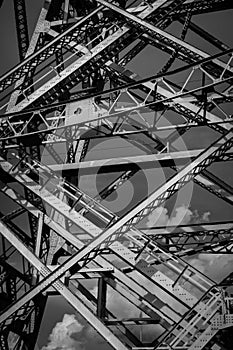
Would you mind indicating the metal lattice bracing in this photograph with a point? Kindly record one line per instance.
(77, 89)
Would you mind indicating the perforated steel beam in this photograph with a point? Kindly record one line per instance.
(73, 299)
(127, 221)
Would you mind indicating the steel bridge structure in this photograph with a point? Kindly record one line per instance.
(82, 128)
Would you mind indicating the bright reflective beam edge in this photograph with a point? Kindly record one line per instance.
(132, 85)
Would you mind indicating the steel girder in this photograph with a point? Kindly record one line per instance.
(214, 238)
(22, 332)
(21, 27)
(44, 53)
(210, 4)
(126, 222)
(220, 146)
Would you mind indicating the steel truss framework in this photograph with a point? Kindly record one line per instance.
(73, 89)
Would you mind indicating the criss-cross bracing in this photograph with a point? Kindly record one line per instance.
(116, 146)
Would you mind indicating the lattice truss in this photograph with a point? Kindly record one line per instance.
(76, 88)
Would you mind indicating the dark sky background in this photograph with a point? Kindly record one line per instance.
(219, 24)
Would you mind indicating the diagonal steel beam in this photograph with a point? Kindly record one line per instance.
(117, 229)
(73, 299)
(168, 39)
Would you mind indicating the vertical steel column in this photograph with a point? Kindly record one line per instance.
(101, 298)
(21, 27)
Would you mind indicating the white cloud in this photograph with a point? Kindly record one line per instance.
(215, 266)
(63, 335)
(183, 216)
(196, 217)
(159, 217)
